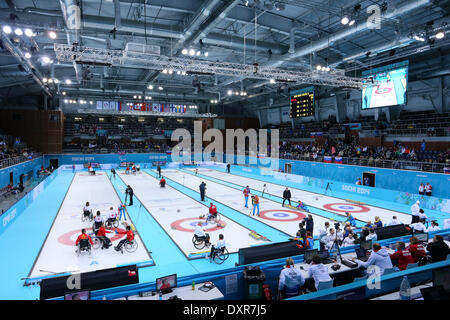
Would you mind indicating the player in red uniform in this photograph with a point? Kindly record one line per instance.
(129, 238)
(101, 234)
(83, 237)
(162, 182)
(212, 212)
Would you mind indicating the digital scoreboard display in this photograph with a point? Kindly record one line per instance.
(302, 103)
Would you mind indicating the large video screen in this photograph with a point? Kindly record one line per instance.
(391, 89)
(302, 103)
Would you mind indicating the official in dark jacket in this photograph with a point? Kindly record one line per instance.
(287, 196)
(130, 193)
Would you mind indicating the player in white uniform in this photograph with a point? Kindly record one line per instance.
(220, 245)
(98, 221)
(200, 234)
(87, 210)
(112, 215)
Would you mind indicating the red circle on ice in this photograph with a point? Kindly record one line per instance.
(70, 237)
(181, 225)
(280, 215)
(346, 207)
(383, 90)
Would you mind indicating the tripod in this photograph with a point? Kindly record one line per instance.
(328, 187)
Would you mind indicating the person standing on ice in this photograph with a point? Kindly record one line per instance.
(264, 190)
(255, 202)
(228, 167)
(122, 211)
(113, 173)
(246, 193)
(130, 193)
(202, 190)
(159, 171)
(287, 196)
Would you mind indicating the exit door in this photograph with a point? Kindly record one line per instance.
(288, 168)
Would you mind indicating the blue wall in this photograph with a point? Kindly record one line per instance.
(106, 158)
(25, 167)
(400, 180)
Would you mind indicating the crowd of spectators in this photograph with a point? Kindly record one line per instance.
(338, 148)
(13, 148)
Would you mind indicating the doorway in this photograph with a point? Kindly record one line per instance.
(54, 163)
(369, 179)
(288, 167)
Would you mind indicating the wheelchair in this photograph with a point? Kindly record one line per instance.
(130, 246)
(97, 241)
(198, 243)
(112, 224)
(86, 215)
(220, 255)
(211, 220)
(83, 245)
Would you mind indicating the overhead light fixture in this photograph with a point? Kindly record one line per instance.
(230, 92)
(319, 67)
(206, 53)
(68, 81)
(18, 31)
(46, 59)
(160, 88)
(63, 93)
(164, 71)
(7, 29)
(50, 80)
(150, 87)
(56, 81)
(345, 20)
(178, 72)
(352, 22)
(191, 52)
(29, 32)
(170, 71)
(134, 97)
(65, 101)
(91, 102)
(52, 34)
(139, 97)
(199, 53)
(327, 69)
(184, 51)
(27, 55)
(440, 35)
(272, 80)
(44, 79)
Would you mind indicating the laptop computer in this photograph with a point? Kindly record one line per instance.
(361, 254)
(421, 236)
(309, 254)
(325, 256)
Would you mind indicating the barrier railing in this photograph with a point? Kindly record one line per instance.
(379, 163)
(16, 160)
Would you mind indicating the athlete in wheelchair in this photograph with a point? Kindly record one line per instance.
(98, 221)
(200, 239)
(219, 252)
(83, 242)
(129, 243)
(212, 215)
(112, 221)
(87, 213)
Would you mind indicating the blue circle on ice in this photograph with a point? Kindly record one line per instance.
(346, 207)
(280, 215)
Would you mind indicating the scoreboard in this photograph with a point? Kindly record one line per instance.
(302, 103)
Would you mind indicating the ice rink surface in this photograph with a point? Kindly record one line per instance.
(271, 212)
(58, 254)
(340, 206)
(177, 214)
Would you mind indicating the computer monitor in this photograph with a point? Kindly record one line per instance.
(167, 283)
(366, 245)
(324, 254)
(78, 295)
(441, 277)
(309, 254)
(421, 236)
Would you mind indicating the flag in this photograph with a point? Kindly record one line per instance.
(447, 170)
(338, 159)
(327, 159)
